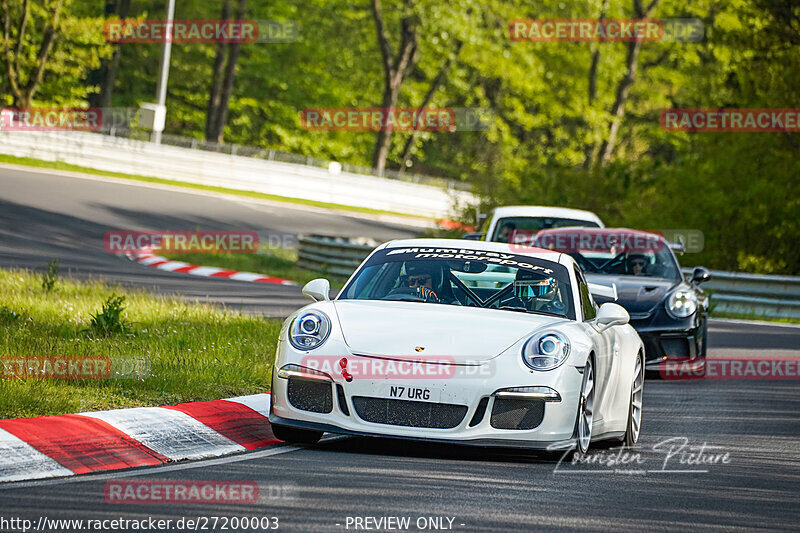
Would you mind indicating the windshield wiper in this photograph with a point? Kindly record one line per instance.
(530, 311)
(402, 298)
(514, 308)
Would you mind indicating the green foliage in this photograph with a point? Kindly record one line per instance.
(78, 48)
(190, 352)
(542, 146)
(109, 320)
(8, 316)
(50, 278)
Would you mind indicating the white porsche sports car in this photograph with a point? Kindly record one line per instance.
(477, 343)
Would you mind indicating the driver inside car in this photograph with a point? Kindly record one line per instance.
(637, 264)
(420, 279)
(506, 232)
(536, 293)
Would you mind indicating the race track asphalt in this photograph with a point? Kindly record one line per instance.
(45, 215)
(327, 486)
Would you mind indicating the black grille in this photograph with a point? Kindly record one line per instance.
(411, 414)
(342, 400)
(675, 347)
(480, 412)
(307, 395)
(517, 414)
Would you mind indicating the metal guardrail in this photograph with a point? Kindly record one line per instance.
(335, 257)
(262, 172)
(286, 157)
(753, 294)
(733, 292)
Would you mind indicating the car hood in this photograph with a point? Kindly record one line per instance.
(638, 295)
(448, 333)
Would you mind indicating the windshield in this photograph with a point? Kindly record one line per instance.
(528, 226)
(464, 277)
(613, 252)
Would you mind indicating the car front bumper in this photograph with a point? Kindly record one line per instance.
(463, 407)
(663, 345)
(668, 338)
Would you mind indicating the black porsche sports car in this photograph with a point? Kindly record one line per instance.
(668, 310)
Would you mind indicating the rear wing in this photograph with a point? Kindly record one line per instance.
(604, 291)
(677, 246)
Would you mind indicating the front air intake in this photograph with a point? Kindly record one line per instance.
(342, 400)
(308, 395)
(407, 413)
(480, 412)
(517, 414)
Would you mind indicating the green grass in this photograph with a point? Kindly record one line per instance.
(58, 165)
(195, 351)
(271, 261)
(753, 316)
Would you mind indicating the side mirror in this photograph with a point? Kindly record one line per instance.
(317, 289)
(700, 275)
(611, 314)
(472, 236)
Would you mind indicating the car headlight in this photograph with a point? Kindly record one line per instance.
(545, 351)
(309, 330)
(682, 303)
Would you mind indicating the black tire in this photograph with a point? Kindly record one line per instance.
(295, 435)
(582, 447)
(704, 336)
(637, 388)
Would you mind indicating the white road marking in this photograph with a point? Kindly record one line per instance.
(151, 259)
(247, 276)
(204, 271)
(171, 433)
(157, 470)
(173, 265)
(257, 402)
(19, 460)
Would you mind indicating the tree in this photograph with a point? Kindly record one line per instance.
(107, 73)
(435, 85)
(47, 48)
(24, 77)
(396, 66)
(222, 80)
(625, 84)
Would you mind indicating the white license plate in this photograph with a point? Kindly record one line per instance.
(404, 392)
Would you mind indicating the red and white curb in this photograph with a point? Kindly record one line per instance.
(66, 445)
(162, 263)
